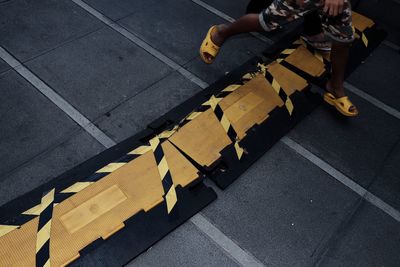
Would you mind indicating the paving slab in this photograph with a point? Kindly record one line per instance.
(386, 13)
(176, 28)
(237, 9)
(30, 123)
(186, 246)
(234, 9)
(114, 9)
(99, 71)
(372, 238)
(136, 113)
(379, 76)
(3, 66)
(387, 184)
(31, 27)
(282, 209)
(46, 166)
(355, 146)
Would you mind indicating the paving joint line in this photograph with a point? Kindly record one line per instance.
(391, 45)
(139, 42)
(230, 19)
(342, 178)
(372, 100)
(54, 97)
(240, 255)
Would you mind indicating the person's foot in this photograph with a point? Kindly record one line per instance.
(338, 92)
(319, 42)
(217, 38)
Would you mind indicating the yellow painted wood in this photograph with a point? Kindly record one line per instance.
(306, 61)
(202, 138)
(250, 104)
(288, 80)
(361, 22)
(92, 209)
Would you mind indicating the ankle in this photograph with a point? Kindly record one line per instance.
(335, 88)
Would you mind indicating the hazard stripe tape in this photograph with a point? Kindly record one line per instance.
(359, 34)
(170, 196)
(279, 90)
(44, 230)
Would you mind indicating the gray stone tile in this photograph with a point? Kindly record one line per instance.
(372, 238)
(283, 209)
(99, 71)
(30, 27)
(176, 27)
(79, 147)
(387, 183)
(235, 9)
(355, 146)
(186, 246)
(3, 66)
(30, 123)
(136, 113)
(379, 76)
(114, 9)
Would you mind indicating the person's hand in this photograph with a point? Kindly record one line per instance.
(300, 3)
(333, 7)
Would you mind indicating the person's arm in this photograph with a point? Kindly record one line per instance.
(333, 7)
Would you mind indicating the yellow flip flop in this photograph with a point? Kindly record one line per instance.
(342, 104)
(209, 47)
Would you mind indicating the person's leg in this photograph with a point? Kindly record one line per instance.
(339, 29)
(277, 13)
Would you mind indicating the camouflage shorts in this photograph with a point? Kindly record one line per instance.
(280, 12)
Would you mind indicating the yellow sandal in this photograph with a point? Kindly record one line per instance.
(342, 104)
(209, 47)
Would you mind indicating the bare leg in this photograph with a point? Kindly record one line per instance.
(245, 24)
(339, 58)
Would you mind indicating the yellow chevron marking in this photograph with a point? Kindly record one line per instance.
(46, 200)
(168, 133)
(111, 167)
(276, 85)
(5, 229)
(364, 39)
(288, 51)
(171, 198)
(154, 142)
(43, 235)
(225, 123)
(239, 150)
(140, 150)
(193, 115)
(289, 105)
(231, 87)
(213, 102)
(47, 264)
(77, 187)
(163, 167)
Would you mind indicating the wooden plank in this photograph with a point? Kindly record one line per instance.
(289, 81)
(250, 104)
(92, 209)
(202, 139)
(182, 171)
(304, 60)
(18, 248)
(360, 22)
(98, 210)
